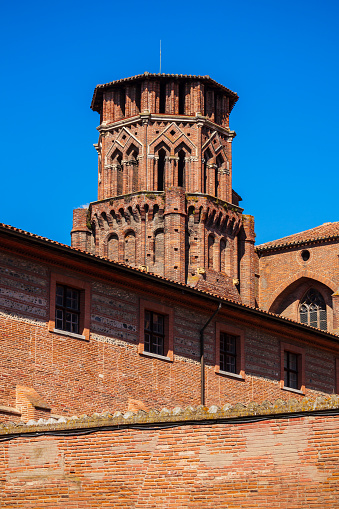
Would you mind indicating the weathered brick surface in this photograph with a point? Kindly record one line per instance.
(290, 462)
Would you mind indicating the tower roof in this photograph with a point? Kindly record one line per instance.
(98, 92)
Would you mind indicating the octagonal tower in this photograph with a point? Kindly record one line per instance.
(165, 198)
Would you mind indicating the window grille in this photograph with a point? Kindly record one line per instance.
(312, 310)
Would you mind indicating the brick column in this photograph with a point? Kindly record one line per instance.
(175, 233)
(172, 98)
(125, 177)
(246, 255)
(80, 234)
(210, 105)
(223, 184)
(118, 113)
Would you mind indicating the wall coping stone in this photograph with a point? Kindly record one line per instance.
(189, 415)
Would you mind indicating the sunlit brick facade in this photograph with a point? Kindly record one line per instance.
(163, 360)
(165, 198)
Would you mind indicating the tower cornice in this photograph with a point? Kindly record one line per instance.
(192, 119)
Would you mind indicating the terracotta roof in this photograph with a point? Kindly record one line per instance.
(236, 304)
(95, 105)
(326, 231)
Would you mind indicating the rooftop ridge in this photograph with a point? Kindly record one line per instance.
(304, 237)
(177, 415)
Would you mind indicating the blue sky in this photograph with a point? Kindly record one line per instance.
(280, 57)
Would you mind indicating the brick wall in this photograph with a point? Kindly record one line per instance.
(74, 375)
(285, 277)
(289, 462)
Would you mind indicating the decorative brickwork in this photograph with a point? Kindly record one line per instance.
(165, 199)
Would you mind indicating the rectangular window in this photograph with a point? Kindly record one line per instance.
(229, 351)
(291, 370)
(154, 333)
(67, 309)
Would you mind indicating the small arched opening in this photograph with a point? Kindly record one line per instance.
(210, 251)
(113, 247)
(129, 252)
(161, 169)
(207, 157)
(222, 255)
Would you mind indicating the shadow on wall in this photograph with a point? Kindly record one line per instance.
(307, 301)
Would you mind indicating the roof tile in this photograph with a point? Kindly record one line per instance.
(324, 232)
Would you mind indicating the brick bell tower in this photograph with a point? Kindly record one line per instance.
(165, 199)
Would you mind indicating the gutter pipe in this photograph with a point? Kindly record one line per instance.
(202, 360)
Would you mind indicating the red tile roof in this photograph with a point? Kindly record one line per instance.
(146, 75)
(8, 228)
(324, 232)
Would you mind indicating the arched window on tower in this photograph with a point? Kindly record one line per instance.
(182, 97)
(222, 255)
(129, 255)
(159, 247)
(219, 161)
(312, 310)
(132, 155)
(113, 247)
(210, 251)
(181, 169)
(161, 169)
(207, 157)
(116, 162)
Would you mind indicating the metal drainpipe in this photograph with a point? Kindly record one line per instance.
(202, 360)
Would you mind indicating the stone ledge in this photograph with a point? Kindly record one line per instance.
(9, 410)
(177, 415)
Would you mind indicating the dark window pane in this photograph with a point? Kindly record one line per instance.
(147, 320)
(291, 370)
(59, 296)
(293, 361)
(67, 309)
(154, 333)
(293, 381)
(147, 345)
(72, 299)
(228, 353)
